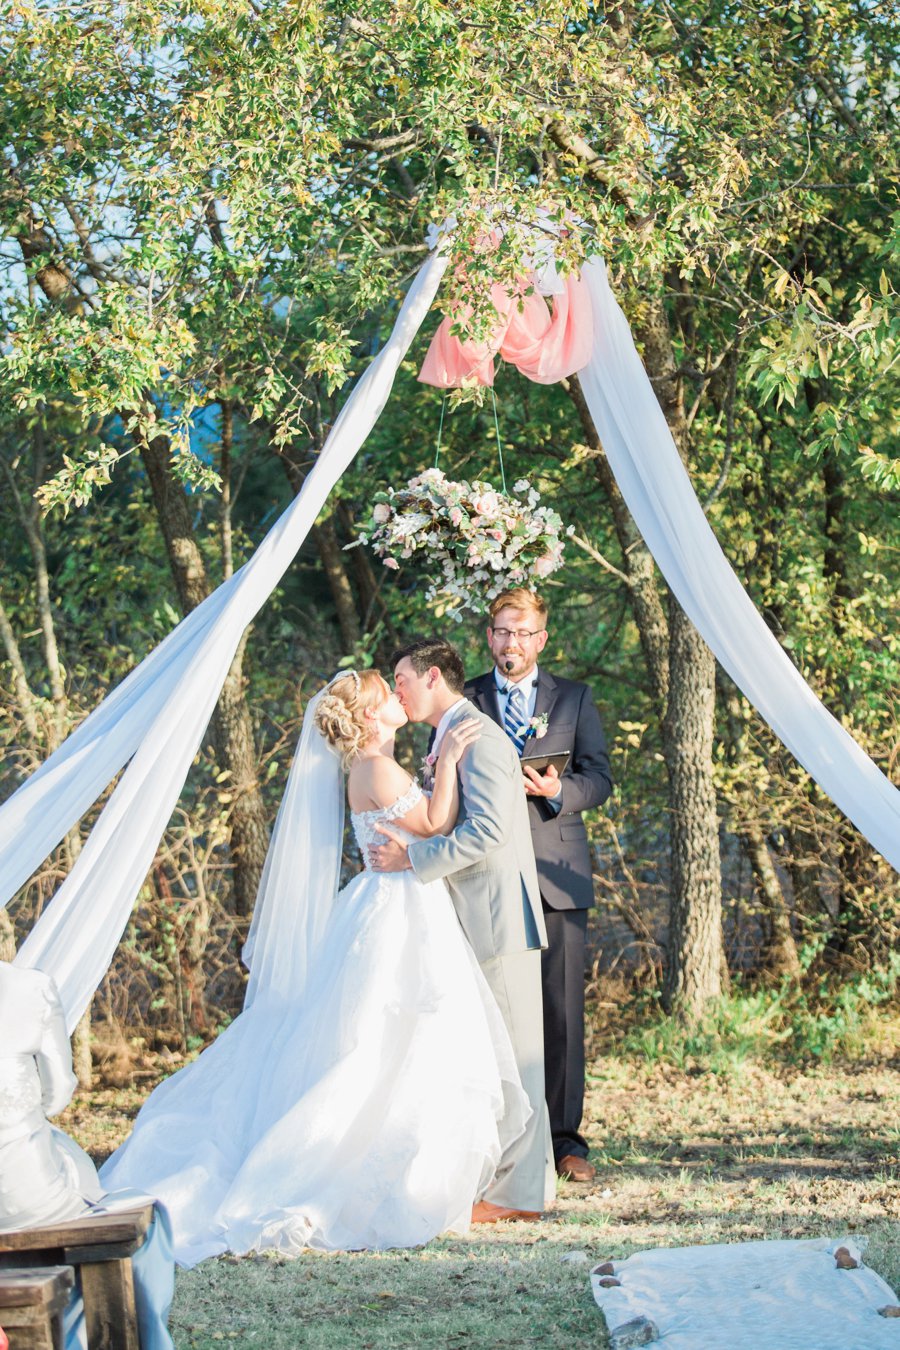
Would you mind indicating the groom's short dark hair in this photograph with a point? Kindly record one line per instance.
(426, 652)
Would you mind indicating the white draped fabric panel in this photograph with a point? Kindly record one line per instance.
(157, 716)
(655, 484)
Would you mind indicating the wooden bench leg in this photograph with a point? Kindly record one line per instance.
(109, 1312)
(33, 1330)
(32, 1305)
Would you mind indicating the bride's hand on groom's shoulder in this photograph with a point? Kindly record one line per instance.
(458, 739)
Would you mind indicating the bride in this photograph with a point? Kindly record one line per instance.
(358, 1099)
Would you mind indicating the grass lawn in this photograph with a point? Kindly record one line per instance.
(684, 1156)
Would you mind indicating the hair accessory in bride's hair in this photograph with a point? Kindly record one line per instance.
(346, 674)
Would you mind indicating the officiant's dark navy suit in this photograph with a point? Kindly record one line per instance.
(565, 877)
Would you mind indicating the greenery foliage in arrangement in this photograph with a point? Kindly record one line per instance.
(208, 217)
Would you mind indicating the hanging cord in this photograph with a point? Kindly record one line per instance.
(499, 447)
(437, 448)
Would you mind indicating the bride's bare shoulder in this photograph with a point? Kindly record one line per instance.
(375, 782)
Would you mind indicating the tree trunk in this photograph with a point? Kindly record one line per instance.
(694, 965)
(231, 723)
(684, 682)
(236, 750)
(82, 1058)
(834, 562)
(780, 956)
(694, 972)
(57, 729)
(372, 606)
(331, 553)
(21, 688)
(779, 952)
(332, 558)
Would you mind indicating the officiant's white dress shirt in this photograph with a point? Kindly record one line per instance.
(527, 686)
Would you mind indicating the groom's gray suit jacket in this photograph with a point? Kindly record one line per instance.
(487, 860)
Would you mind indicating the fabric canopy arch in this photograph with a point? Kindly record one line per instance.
(154, 721)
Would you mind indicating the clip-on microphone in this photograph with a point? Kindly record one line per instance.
(507, 666)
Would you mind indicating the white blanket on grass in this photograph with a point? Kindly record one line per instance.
(781, 1295)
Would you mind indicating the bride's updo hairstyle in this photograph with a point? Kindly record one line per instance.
(341, 714)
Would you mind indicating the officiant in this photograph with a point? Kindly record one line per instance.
(546, 714)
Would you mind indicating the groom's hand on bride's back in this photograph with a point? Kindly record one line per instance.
(391, 856)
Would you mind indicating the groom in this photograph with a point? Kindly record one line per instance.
(488, 864)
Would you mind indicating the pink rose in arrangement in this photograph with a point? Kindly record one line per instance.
(381, 513)
(455, 516)
(545, 565)
(392, 563)
(488, 504)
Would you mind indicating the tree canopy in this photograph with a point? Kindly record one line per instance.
(208, 215)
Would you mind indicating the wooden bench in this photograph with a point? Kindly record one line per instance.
(32, 1303)
(100, 1247)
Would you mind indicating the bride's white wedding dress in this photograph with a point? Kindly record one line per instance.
(370, 1113)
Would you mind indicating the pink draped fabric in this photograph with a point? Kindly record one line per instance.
(546, 347)
(452, 362)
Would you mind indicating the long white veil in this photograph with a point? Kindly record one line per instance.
(302, 873)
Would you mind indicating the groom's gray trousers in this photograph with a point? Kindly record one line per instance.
(526, 1176)
(488, 864)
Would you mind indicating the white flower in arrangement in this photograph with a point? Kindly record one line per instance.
(409, 524)
(473, 540)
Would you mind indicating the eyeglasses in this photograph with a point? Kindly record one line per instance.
(521, 633)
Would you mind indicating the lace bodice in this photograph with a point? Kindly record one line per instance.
(20, 1091)
(365, 823)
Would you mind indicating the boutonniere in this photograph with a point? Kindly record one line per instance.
(427, 770)
(536, 727)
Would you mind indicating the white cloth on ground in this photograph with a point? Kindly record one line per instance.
(781, 1295)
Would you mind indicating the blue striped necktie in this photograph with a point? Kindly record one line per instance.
(514, 717)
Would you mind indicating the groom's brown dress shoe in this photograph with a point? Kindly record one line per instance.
(484, 1212)
(575, 1168)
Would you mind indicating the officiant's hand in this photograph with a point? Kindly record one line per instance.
(540, 784)
(392, 856)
